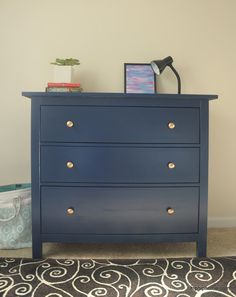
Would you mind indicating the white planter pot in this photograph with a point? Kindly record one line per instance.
(63, 74)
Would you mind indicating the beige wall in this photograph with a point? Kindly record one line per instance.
(103, 34)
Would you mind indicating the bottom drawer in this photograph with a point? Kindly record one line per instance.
(114, 210)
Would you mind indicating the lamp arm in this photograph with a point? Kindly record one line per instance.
(177, 76)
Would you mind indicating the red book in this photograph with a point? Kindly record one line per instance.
(63, 85)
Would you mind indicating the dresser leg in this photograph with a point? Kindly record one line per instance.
(37, 250)
(201, 248)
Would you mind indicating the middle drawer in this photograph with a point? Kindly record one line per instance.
(99, 164)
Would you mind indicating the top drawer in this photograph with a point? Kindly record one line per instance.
(117, 124)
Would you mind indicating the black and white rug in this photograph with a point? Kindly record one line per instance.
(185, 277)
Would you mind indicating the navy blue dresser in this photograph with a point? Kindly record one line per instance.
(110, 167)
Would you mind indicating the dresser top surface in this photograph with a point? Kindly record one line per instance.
(117, 96)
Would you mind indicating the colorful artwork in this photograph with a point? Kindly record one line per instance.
(139, 78)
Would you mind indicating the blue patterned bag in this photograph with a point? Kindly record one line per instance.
(15, 216)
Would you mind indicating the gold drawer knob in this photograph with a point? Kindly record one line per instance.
(171, 165)
(70, 164)
(171, 125)
(70, 211)
(170, 211)
(69, 124)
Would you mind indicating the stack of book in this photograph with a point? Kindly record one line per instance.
(63, 87)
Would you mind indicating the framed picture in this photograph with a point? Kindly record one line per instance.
(139, 78)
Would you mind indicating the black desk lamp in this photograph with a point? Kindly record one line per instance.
(159, 65)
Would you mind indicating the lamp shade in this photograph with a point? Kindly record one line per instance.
(159, 65)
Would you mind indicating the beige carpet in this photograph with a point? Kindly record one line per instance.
(221, 242)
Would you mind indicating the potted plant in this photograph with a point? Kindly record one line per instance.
(63, 69)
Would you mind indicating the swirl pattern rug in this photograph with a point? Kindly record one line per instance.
(180, 277)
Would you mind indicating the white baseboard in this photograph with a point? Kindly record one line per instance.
(221, 222)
